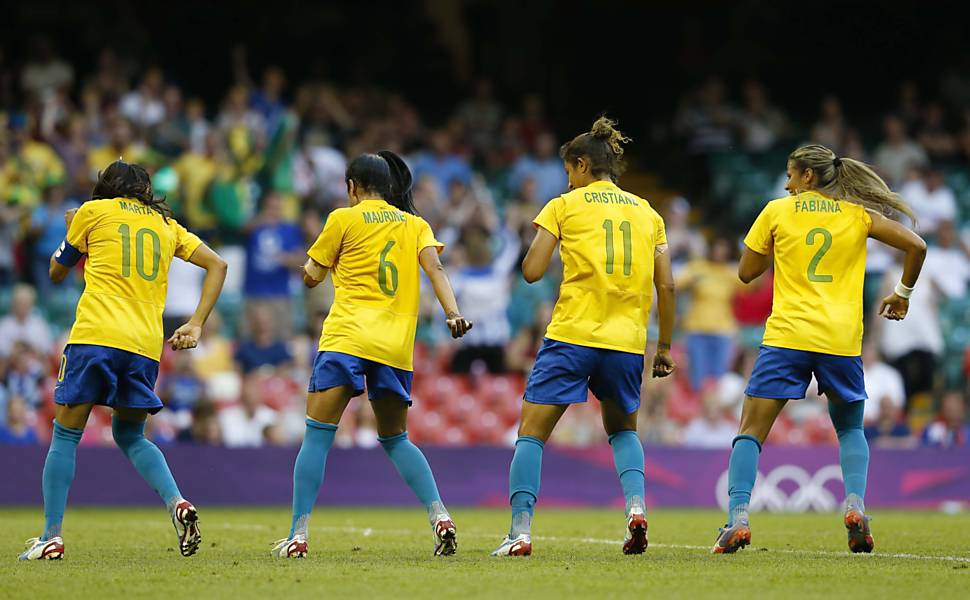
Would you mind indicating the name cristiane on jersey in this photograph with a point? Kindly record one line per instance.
(383, 216)
(820, 205)
(609, 198)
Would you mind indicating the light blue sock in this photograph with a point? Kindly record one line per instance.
(628, 458)
(308, 472)
(742, 471)
(58, 475)
(147, 459)
(524, 476)
(853, 449)
(414, 469)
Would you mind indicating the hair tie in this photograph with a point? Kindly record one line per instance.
(836, 162)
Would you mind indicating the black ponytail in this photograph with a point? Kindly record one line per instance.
(402, 182)
(384, 174)
(126, 180)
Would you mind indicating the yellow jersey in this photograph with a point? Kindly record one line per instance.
(820, 262)
(713, 286)
(372, 251)
(607, 240)
(129, 248)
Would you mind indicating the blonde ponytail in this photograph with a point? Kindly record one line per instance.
(850, 180)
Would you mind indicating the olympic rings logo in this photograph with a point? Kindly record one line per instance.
(810, 491)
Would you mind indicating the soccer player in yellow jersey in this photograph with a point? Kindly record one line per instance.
(129, 238)
(817, 237)
(372, 249)
(613, 247)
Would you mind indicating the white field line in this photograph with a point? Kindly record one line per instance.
(367, 532)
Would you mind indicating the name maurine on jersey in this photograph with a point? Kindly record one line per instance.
(819, 205)
(383, 216)
(609, 198)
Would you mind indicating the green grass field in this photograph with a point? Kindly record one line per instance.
(373, 553)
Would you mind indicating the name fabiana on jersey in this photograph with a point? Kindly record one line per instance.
(818, 205)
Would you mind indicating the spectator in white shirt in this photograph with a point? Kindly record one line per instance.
(23, 325)
(930, 198)
(711, 429)
(882, 383)
(898, 153)
(948, 261)
(245, 425)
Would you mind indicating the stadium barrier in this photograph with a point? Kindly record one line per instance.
(790, 479)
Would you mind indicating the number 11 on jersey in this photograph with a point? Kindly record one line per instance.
(627, 246)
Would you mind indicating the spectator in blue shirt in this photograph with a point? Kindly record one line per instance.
(951, 428)
(544, 166)
(274, 251)
(17, 431)
(48, 228)
(265, 348)
(441, 163)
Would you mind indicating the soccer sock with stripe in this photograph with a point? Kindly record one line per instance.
(742, 471)
(308, 472)
(524, 476)
(628, 458)
(147, 459)
(853, 449)
(58, 475)
(414, 469)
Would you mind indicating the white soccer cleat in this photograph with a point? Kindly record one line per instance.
(445, 536)
(295, 547)
(520, 545)
(52, 549)
(186, 521)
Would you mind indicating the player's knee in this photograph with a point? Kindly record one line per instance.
(127, 433)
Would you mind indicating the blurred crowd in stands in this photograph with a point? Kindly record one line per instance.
(257, 175)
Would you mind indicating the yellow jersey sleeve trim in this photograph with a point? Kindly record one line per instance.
(549, 217)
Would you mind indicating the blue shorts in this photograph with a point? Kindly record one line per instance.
(784, 374)
(331, 369)
(566, 373)
(107, 376)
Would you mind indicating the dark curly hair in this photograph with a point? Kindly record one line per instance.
(126, 180)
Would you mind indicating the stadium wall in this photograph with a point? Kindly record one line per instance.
(790, 479)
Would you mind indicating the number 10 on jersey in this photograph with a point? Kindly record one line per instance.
(627, 247)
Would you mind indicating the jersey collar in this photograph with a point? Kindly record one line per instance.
(602, 183)
(371, 201)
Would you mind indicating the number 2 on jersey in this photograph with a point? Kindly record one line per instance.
(627, 247)
(140, 235)
(813, 276)
(387, 270)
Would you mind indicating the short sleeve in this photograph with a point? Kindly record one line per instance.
(660, 235)
(867, 219)
(759, 237)
(186, 242)
(550, 217)
(426, 237)
(82, 224)
(327, 247)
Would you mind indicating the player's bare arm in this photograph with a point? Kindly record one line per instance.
(313, 273)
(435, 271)
(895, 306)
(663, 281)
(187, 336)
(537, 259)
(752, 265)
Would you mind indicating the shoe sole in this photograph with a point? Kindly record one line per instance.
(860, 540)
(637, 544)
(190, 541)
(447, 543)
(738, 540)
